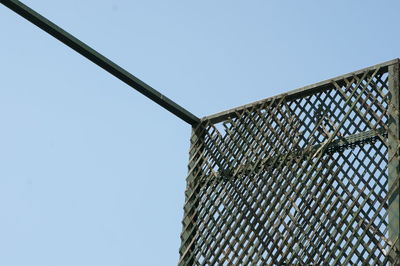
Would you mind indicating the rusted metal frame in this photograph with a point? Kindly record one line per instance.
(393, 155)
(100, 60)
(301, 92)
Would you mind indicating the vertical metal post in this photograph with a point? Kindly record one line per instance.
(189, 222)
(394, 160)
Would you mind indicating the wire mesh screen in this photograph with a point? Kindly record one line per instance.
(307, 177)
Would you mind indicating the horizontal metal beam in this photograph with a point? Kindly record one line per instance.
(338, 145)
(100, 60)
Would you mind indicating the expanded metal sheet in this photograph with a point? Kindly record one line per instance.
(295, 180)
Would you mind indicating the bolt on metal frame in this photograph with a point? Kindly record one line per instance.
(306, 177)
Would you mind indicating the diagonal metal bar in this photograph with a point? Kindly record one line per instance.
(100, 60)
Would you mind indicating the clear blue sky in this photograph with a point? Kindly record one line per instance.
(92, 172)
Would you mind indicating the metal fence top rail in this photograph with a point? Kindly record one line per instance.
(296, 93)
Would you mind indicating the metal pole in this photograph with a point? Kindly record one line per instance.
(100, 60)
(190, 220)
(394, 161)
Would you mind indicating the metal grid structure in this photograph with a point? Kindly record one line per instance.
(306, 177)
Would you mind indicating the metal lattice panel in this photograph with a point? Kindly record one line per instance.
(307, 177)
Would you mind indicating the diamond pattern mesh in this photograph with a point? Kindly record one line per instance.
(295, 179)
